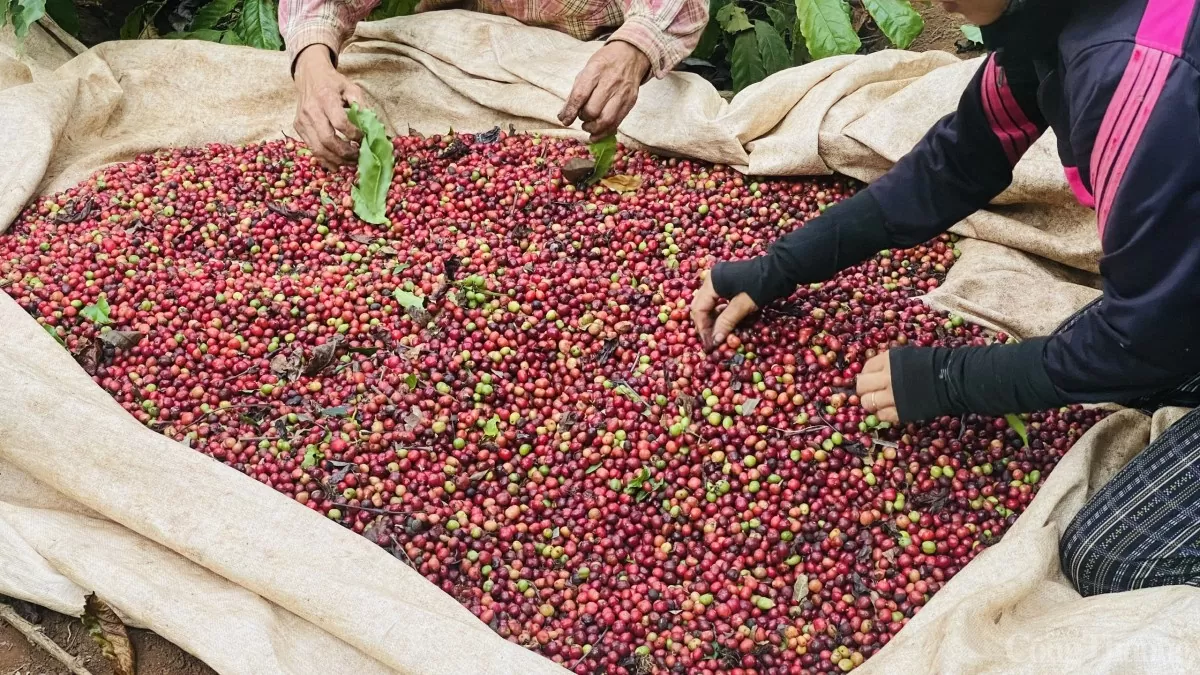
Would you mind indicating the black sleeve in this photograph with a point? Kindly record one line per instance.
(993, 380)
(846, 234)
(956, 169)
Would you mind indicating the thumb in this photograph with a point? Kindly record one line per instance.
(737, 310)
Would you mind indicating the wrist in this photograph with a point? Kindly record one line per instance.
(314, 60)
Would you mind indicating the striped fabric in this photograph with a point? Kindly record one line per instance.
(1143, 527)
(1160, 39)
(1008, 122)
(666, 31)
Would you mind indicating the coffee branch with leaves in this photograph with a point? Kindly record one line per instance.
(755, 39)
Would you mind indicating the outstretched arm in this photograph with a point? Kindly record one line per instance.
(1141, 340)
(314, 31)
(964, 162)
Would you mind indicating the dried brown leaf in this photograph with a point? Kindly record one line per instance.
(109, 633)
(122, 339)
(686, 404)
(323, 356)
(622, 183)
(800, 588)
(287, 367)
(376, 530)
(578, 169)
(414, 419)
(90, 356)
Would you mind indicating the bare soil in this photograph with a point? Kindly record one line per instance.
(157, 656)
(942, 32)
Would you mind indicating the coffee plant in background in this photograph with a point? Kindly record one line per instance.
(22, 14)
(253, 23)
(752, 39)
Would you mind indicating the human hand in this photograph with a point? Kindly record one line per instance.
(321, 109)
(606, 89)
(875, 388)
(714, 328)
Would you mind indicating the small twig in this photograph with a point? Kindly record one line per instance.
(251, 368)
(39, 639)
(795, 432)
(589, 652)
(236, 406)
(384, 512)
(397, 547)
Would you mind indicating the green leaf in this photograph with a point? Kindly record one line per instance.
(492, 428)
(1018, 425)
(390, 8)
(335, 411)
(230, 37)
(132, 28)
(593, 468)
(64, 14)
(771, 47)
(897, 19)
(408, 300)
(711, 37)
(972, 33)
(637, 481)
(312, 457)
(733, 19)
(603, 151)
(780, 20)
(376, 162)
(211, 14)
(800, 55)
(25, 13)
(206, 34)
(826, 27)
(97, 313)
(412, 381)
(258, 26)
(54, 334)
(745, 62)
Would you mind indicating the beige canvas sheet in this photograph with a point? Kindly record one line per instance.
(250, 582)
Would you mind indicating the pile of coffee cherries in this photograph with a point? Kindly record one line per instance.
(503, 388)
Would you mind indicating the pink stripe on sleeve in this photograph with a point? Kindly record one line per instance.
(1146, 108)
(993, 109)
(1120, 113)
(1026, 127)
(1077, 187)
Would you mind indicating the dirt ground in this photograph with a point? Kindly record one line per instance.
(942, 31)
(157, 656)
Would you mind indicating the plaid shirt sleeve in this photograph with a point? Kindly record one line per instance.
(666, 31)
(304, 23)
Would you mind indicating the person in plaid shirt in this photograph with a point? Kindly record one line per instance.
(649, 38)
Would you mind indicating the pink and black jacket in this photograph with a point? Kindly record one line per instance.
(1118, 81)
